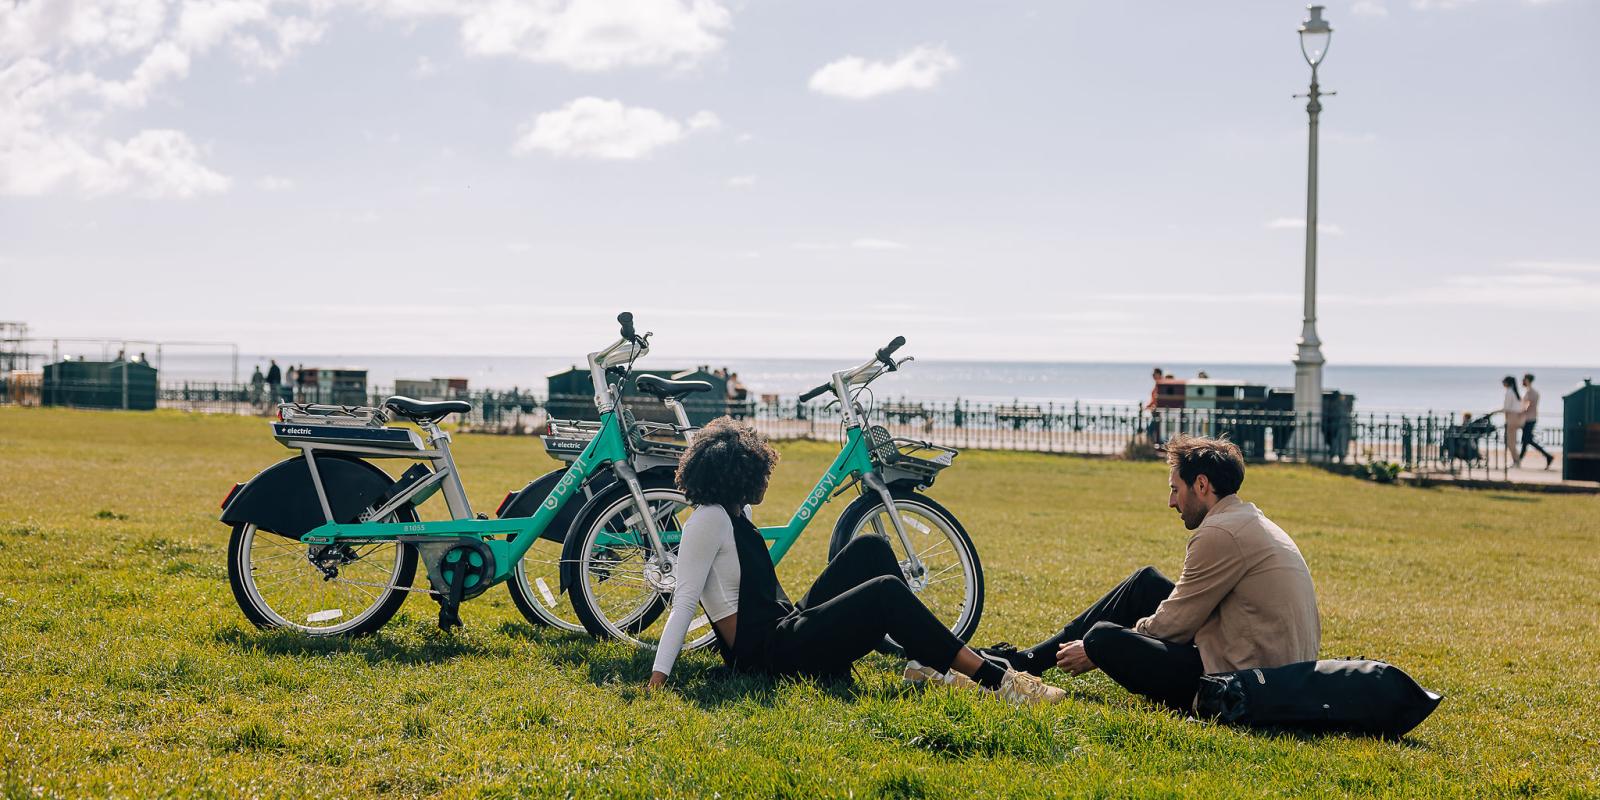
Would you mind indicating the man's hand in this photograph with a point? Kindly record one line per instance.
(657, 680)
(1072, 660)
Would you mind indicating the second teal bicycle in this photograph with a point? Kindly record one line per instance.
(618, 563)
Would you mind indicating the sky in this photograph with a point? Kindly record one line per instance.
(1062, 181)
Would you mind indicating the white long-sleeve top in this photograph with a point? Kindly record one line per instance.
(707, 574)
(1513, 404)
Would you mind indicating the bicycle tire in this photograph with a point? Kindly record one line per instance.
(650, 603)
(241, 578)
(856, 517)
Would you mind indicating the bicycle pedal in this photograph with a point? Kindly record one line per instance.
(449, 618)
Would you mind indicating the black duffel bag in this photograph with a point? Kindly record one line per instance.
(1350, 696)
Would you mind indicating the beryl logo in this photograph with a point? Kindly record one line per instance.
(817, 496)
(565, 485)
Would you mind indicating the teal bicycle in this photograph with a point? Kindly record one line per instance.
(327, 543)
(620, 562)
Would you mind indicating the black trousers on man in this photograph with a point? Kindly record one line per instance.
(1528, 440)
(1167, 672)
(858, 599)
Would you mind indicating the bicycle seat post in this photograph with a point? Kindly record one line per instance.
(455, 494)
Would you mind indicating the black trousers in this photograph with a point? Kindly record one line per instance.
(857, 600)
(1529, 441)
(1167, 672)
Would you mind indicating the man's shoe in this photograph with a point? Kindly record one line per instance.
(1548, 460)
(1022, 689)
(919, 674)
(1007, 656)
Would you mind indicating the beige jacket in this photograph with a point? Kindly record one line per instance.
(1245, 597)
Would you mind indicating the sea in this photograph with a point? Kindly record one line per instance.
(1378, 389)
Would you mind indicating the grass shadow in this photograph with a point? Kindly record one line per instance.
(432, 647)
(1513, 498)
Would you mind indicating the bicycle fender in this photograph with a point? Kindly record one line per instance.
(527, 500)
(282, 499)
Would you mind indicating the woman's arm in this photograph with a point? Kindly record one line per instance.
(703, 536)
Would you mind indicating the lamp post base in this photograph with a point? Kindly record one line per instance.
(1308, 440)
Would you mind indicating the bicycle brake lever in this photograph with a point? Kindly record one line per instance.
(901, 363)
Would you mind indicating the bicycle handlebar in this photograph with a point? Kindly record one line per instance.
(886, 354)
(626, 320)
(822, 388)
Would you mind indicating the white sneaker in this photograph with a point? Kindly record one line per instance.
(919, 674)
(1022, 689)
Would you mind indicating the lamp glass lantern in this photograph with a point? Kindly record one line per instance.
(1315, 33)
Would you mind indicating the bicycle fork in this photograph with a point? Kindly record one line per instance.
(658, 572)
(915, 571)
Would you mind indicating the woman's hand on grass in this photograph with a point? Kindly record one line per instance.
(657, 680)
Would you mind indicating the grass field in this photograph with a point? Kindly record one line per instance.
(126, 670)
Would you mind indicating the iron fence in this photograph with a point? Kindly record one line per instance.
(1422, 442)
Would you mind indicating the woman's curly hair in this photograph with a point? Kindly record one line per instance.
(727, 465)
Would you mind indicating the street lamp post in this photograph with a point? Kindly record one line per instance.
(1314, 36)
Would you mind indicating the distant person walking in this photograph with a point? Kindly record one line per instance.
(1530, 420)
(1154, 428)
(274, 382)
(291, 384)
(1512, 408)
(257, 381)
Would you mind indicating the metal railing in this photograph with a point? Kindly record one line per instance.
(1421, 443)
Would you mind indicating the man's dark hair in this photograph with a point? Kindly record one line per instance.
(1218, 459)
(726, 465)
(1527, 376)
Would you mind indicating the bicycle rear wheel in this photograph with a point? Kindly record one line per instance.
(319, 590)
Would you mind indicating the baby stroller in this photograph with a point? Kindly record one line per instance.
(1464, 443)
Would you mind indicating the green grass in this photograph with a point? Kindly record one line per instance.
(126, 669)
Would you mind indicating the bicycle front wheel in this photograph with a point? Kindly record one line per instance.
(950, 583)
(620, 592)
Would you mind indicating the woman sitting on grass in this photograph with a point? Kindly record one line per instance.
(723, 564)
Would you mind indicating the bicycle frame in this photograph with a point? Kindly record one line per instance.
(508, 539)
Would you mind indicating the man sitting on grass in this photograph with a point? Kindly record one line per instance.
(1244, 598)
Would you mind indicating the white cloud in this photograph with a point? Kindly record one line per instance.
(856, 78)
(592, 127)
(1299, 223)
(55, 97)
(1370, 8)
(741, 181)
(425, 68)
(878, 244)
(59, 89)
(274, 183)
(585, 35)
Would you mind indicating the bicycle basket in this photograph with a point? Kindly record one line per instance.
(657, 439)
(902, 459)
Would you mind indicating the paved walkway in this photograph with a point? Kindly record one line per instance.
(1531, 475)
